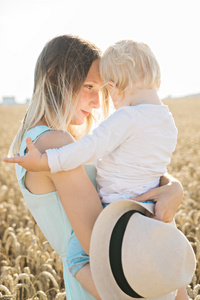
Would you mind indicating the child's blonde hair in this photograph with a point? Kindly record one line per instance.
(130, 64)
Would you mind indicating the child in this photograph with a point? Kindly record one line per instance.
(132, 147)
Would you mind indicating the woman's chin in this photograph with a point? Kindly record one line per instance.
(77, 122)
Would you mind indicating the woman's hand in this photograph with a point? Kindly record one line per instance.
(33, 161)
(167, 197)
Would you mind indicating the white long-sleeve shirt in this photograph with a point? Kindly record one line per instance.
(132, 149)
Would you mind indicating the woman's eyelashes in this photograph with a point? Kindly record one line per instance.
(88, 86)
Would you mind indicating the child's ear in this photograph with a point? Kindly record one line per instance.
(158, 84)
(111, 84)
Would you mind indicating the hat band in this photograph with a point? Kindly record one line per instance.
(115, 254)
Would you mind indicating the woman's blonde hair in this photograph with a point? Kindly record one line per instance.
(60, 72)
(130, 64)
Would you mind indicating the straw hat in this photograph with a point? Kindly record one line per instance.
(133, 256)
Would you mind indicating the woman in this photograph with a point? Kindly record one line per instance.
(66, 90)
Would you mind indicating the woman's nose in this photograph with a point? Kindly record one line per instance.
(95, 103)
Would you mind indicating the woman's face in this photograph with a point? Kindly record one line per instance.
(88, 98)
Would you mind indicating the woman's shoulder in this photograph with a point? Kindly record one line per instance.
(54, 139)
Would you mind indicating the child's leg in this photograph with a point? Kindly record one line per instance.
(84, 277)
(78, 265)
(182, 294)
(76, 256)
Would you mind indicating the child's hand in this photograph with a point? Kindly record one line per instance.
(33, 161)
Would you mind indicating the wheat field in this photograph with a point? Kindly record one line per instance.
(29, 267)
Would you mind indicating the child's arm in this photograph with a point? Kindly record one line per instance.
(104, 139)
(33, 161)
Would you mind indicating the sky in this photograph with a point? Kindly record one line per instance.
(170, 27)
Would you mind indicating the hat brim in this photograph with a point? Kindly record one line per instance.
(100, 242)
(140, 242)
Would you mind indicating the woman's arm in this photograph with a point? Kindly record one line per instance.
(80, 202)
(76, 192)
(168, 197)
